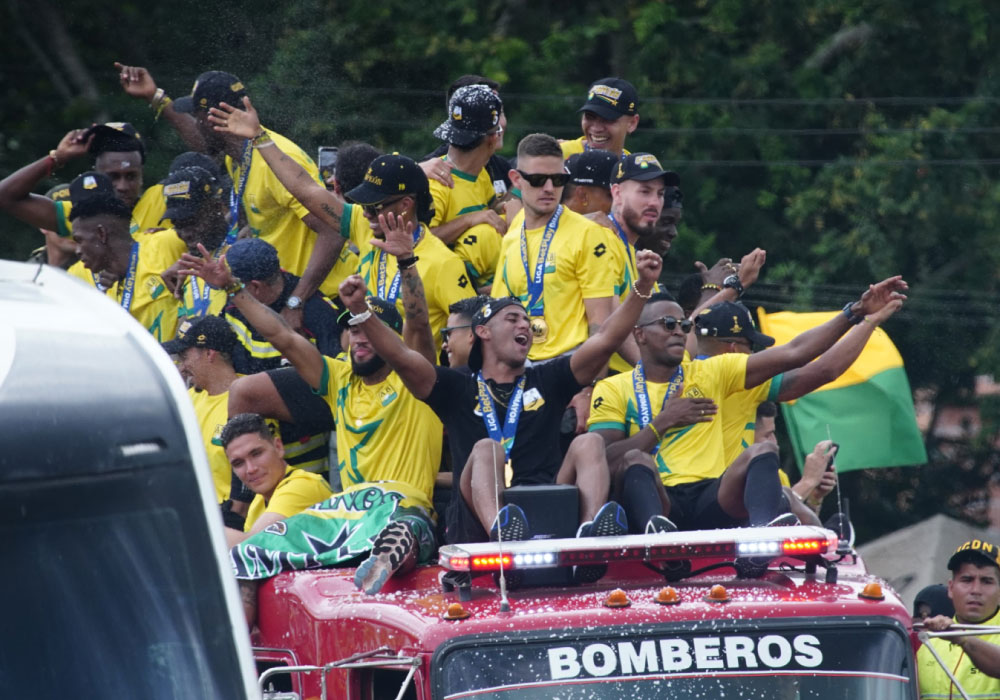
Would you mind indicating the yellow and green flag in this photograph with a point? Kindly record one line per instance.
(868, 409)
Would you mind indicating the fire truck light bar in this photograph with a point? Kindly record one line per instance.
(795, 541)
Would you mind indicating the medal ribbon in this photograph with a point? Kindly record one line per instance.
(630, 271)
(642, 401)
(128, 284)
(536, 282)
(236, 194)
(393, 293)
(505, 435)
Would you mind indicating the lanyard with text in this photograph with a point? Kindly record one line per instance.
(128, 284)
(236, 194)
(393, 292)
(505, 435)
(201, 295)
(642, 394)
(628, 249)
(536, 282)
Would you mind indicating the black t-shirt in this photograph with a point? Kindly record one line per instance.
(319, 321)
(536, 456)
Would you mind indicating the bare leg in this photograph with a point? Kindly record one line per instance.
(734, 480)
(586, 466)
(256, 393)
(482, 481)
(248, 596)
(800, 510)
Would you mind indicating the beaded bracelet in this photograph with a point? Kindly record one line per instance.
(635, 288)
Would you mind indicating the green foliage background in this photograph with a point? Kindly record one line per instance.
(852, 139)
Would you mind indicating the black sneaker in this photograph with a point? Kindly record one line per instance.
(392, 548)
(511, 524)
(610, 521)
(660, 523)
(784, 520)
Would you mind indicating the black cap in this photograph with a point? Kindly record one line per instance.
(388, 177)
(194, 159)
(730, 319)
(934, 596)
(210, 89)
(386, 311)
(978, 552)
(209, 332)
(611, 98)
(487, 311)
(252, 259)
(92, 194)
(473, 112)
(116, 137)
(592, 167)
(186, 189)
(59, 193)
(643, 166)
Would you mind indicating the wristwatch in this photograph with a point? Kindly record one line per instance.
(733, 282)
(850, 315)
(293, 302)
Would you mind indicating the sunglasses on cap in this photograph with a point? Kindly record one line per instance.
(376, 209)
(538, 179)
(670, 323)
(445, 332)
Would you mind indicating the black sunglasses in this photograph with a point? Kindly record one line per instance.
(445, 332)
(376, 209)
(538, 179)
(670, 323)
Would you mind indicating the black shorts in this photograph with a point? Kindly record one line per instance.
(462, 523)
(695, 506)
(311, 417)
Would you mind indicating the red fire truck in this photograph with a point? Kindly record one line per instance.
(784, 612)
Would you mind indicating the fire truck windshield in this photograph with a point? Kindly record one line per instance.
(743, 660)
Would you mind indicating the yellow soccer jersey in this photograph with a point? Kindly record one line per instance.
(578, 146)
(212, 413)
(152, 304)
(274, 214)
(576, 269)
(934, 682)
(688, 453)
(441, 271)
(296, 492)
(80, 271)
(145, 214)
(479, 246)
(739, 416)
(383, 432)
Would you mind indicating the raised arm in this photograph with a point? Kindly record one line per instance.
(416, 321)
(806, 346)
(303, 355)
(138, 82)
(747, 271)
(416, 371)
(588, 361)
(16, 197)
(321, 202)
(835, 361)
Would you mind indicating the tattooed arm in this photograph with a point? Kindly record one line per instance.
(398, 241)
(303, 355)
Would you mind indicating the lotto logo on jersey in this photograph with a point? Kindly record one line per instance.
(606, 93)
(732, 652)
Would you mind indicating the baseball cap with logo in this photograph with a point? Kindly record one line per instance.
(209, 332)
(386, 311)
(611, 98)
(116, 137)
(591, 168)
(642, 166)
(211, 88)
(730, 319)
(487, 311)
(473, 112)
(392, 176)
(92, 194)
(186, 189)
(977, 552)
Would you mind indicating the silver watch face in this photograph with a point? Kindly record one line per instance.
(293, 302)
(731, 281)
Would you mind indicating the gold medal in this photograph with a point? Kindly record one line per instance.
(539, 329)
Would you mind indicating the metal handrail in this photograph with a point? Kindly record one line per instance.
(368, 659)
